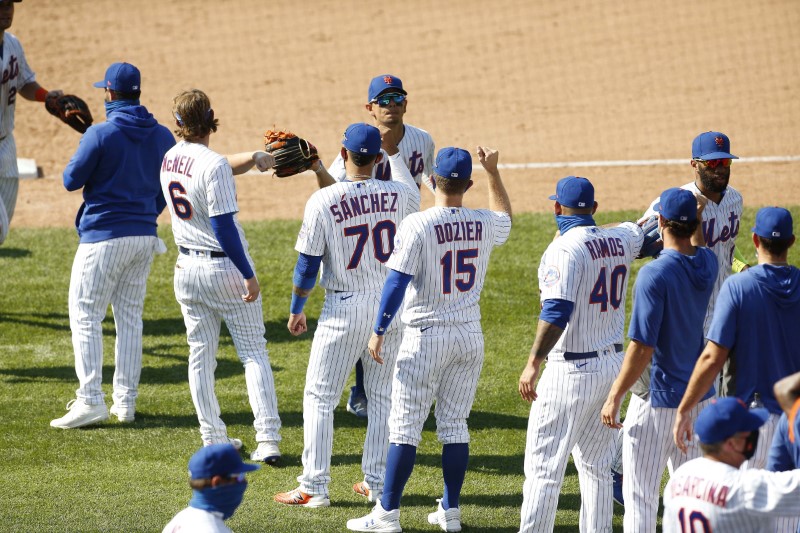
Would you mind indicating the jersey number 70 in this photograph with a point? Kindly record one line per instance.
(382, 233)
(605, 291)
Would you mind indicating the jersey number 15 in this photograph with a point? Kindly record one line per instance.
(462, 267)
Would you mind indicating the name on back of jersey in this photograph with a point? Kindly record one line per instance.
(605, 247)
(180, 164)
(700, 489)
(471, 230)
(364, 204)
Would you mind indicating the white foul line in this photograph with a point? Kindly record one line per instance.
(640, 162)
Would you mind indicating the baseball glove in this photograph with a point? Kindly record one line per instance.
(652, 244)
(71, 110)
(292, 154)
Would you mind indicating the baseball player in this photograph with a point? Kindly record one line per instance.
(17, 79)
(387, 104)
(215, 278)
(583, 279)
(670, 298)
(349, 228)
(755, 326)
(711, 160)
(116, 165)
(217, 478)
(712, 493)
(441, 256)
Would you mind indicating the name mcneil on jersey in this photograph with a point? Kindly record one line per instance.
(347, 208)
(605, 247)
(180, 164)
(471, 230)
(725, 234)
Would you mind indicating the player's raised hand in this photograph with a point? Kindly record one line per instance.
(264, 161)
(488, 158)
(610, 413)
(527, 382)
(389, 141)
(375, 345)
(682, 431)
(252, 290)
(297, 324)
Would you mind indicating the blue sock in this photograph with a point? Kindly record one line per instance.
(360, 376)
(454, 467)
(399, 464)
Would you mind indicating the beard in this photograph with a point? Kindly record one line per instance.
(715, 180)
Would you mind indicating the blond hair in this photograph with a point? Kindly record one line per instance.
(193, 114)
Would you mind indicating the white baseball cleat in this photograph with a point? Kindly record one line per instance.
(377, 520)
(123, 414)
(449, 520)
(266, 452)
(237, 443)
(81, 414)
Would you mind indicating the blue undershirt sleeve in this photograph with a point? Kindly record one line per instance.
(392, 297)
(305, 276)
(557, 312)
(228, 237)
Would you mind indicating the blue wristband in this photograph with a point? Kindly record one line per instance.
(297, 304)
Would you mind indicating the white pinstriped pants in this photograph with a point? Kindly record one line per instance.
(9, 188)
(341, 338)
(566, 419)
(113, 271)
(441, 363)
(209, 291)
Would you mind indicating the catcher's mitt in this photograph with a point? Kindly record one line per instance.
(292, 154)
(652, 244)
(71, 110)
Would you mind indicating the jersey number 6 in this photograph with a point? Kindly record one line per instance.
(182, 206)
(601, 293)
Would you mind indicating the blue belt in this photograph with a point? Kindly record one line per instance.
(186, 251)
(571, 356)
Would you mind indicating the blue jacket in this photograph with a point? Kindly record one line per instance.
(118, 163)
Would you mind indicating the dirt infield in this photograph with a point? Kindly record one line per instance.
(541, 81)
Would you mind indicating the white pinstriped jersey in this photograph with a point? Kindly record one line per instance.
(720, 227)
(16, 74)
(352, 225)
(447, 251)
(198, 184)
(705, 495)
(590, 266)
(417, 151)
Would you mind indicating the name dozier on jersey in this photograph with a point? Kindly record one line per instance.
(459, 231)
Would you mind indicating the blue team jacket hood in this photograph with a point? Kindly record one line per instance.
(135, 121)
(695, 267)
(783, 283)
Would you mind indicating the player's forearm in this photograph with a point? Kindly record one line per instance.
(637, 357)
(787, 391)
(29, 92)
(324, 178)
(547, 336)
(498, 196)
(705, 372)
(241, 162)
(739, 263)
(401, 174)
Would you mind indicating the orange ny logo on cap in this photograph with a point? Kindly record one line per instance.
(387, 80)
(720, 141)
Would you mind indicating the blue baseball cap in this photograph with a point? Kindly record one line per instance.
(453, 163)
(362, 139)
(122, 77)
(218, 460)
(380, 83)
(773, 223)
(574, 191)
(677, 204)
(725, 417)
(712, 145)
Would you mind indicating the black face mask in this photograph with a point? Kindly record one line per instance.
(750, 444)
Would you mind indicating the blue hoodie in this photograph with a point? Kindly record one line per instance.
(757, 317)
(670, 299)
(118, 163)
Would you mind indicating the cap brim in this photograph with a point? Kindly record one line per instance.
(100, 84)
(756, 418)
(718, 155)
(553, 197)
(249, 467)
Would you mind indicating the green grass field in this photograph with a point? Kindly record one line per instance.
(115, 477)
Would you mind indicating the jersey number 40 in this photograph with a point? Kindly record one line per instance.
(607, 291)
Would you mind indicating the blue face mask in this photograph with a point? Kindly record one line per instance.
(567, 222)
(223, 499)
(118, 104)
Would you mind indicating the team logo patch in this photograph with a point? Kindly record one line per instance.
(303, 232)
(720, 141)
(387, 80)
(551, 275)
(398, 245)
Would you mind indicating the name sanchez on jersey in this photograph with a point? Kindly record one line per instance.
(364, 204)
(459, 231)
(701, 489)
(605, 247)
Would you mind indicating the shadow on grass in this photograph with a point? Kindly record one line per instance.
(13, 253)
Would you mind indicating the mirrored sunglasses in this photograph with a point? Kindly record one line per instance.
(384, 99)
(714, 163)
